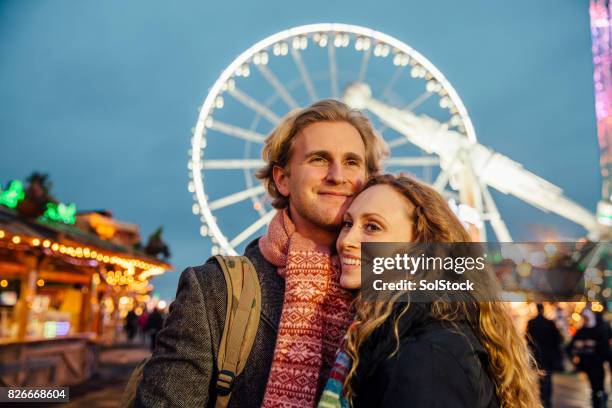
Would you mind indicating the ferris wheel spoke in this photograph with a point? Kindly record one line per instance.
(397, 142)
(392, 81)
(236, 197)
(415, 103)
(413, 161)
(252, 229)
(297, 58)
(364, 64)
(232, 164)
(278, 87)
(251, 103)
(441, 180)
(333, 74)
(418, 101)
(238, 132)
(498, 225)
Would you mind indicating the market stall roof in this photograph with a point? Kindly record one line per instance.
(13, 224)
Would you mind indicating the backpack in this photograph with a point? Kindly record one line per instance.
(241, 322)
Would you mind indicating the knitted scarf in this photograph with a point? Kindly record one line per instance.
(314, 318)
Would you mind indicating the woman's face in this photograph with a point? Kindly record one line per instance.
(377, 214)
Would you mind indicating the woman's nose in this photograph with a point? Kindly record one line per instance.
(348, 239)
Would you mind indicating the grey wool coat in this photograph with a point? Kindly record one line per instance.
(182, 370)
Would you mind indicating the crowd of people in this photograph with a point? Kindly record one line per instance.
(143, 326)
(319, 342)
(588, 350)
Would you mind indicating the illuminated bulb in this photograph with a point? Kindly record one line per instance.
(195, 208)
(16, 239)
(323, 41)
(1, 234)
(203, 230)
(86, 252)
(55, 246)
(296, 43)
(191, 187)
(366, 44)
(246, 71)
(209, 122)
(346, 40)
(444, 102)
(36, 242)
(338, 40)
(3, 283)
(455, 120)
(432, 86)
(40, 283)
(359, 44)
(219, 102)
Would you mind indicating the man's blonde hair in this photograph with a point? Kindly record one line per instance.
(278, 145)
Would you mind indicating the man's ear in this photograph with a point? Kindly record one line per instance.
(281, 179)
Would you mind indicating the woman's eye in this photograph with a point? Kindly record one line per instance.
(347, 224)
(371, 227)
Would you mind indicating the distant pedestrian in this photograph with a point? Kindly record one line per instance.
(155, 322)
(590, 349)
(545, 340)
(131, 325)
(142, 323)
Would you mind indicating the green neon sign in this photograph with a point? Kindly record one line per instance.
(13, 195)
(61, 212)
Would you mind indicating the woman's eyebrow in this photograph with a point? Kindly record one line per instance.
(375, 215)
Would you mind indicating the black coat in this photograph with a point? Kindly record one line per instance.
(183, 367)
(545, 341)
(438, 365)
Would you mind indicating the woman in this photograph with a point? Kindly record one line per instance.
(434, 354)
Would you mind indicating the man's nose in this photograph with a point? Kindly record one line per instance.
(335, 173)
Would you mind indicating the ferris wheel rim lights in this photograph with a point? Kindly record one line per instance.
(299, 35)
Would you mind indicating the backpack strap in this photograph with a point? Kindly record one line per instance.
(241, 322)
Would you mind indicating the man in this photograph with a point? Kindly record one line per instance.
(544, 340)
(589, 348)
(316, 160)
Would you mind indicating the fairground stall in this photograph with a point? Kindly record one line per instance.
(66, 282)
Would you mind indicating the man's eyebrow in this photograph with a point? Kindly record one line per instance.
(320, 153)
(327, 155)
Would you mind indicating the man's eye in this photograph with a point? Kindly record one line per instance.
(347, 224)
(317, 159)
(352, 163)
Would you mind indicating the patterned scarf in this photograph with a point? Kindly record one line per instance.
(314, 318)
(333, 394)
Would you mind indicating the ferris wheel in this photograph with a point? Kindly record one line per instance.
(411, 104)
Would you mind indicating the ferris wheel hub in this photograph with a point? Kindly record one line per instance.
(357, 95)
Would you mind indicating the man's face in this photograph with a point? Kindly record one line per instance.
(327, 167)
